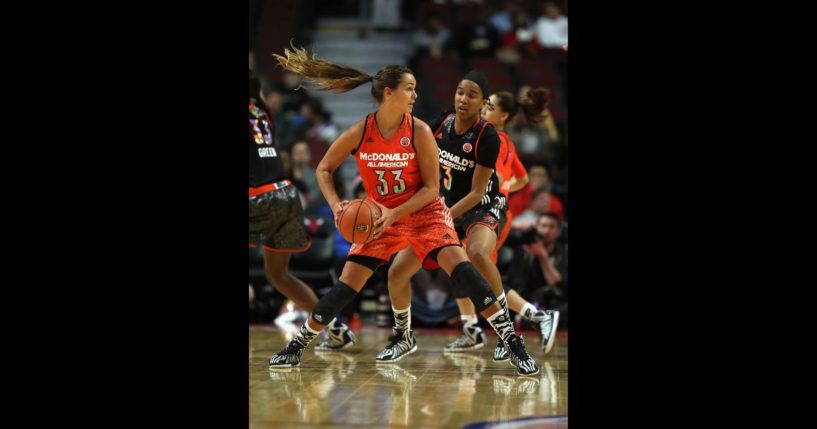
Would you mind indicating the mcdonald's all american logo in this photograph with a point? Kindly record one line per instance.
(467, 148)
(405, 142)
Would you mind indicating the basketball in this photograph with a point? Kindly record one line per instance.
(356, 222)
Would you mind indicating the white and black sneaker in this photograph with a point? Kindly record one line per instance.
(338, 338)
(472, 338)
(548, 321)
(500, 352)
(525, 365)
(400, 344)
(289, 357)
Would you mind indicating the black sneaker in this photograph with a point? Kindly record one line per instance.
(289, 357)
(400, 344)
(519, 357)
(339, 338)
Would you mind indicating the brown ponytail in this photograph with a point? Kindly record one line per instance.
(534, 104)
(329, 76)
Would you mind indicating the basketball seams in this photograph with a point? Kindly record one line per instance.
(371, 218)
(340, 221)
(354, 225)
(357, 220)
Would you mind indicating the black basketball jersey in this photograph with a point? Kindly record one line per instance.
(265, 164)
(459, 156)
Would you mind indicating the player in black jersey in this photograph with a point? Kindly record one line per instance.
(468, 147)
(276, 216)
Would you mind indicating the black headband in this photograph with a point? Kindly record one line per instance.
(479, 79)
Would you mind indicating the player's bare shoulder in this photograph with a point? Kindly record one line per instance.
(356, 129)
(421, 126)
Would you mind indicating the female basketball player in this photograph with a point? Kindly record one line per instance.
(397, 158)
(276, 217)
(513, 176)
(469, 151)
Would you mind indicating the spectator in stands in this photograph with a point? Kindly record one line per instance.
(302, 171)
(502, 20)
(539, 205)
(284, 127)
(313, 123)
(546, 262)
(323, 129)
(431, 39)
(538, 176)
(476, 39)
(551, 27)
(518, 42)
(293, 94)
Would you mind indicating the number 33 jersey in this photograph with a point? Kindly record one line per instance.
(389, 168)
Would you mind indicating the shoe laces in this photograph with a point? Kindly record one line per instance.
(517, 346)
(462, 340)
(395, 339)
(292, 348)
(539, 316)
(336, 335)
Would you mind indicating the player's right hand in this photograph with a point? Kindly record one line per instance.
(338, 208)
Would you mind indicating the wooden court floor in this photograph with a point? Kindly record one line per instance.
(427, 389)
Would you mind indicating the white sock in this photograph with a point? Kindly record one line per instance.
(468, 320)
(528, 310)
(502, 301)
(309, 328)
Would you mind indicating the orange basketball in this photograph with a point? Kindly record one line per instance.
(356, 222)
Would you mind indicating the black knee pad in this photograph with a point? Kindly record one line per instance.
(467, 279)
(459, 291)
(333, 302)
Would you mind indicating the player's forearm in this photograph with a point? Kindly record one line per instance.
(517, 184)
(417, 201)
(467, 203)
(327, 186)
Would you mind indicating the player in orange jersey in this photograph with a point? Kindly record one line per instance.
(397, 158)
(501, 109)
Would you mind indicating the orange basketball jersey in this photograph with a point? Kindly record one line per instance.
(508, 163)
(389, 168)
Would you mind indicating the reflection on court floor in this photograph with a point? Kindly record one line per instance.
(428, 388)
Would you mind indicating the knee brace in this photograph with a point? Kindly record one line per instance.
(333, 302)
(460, 292)
(467, 279)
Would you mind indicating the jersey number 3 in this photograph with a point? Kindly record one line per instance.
(383, 188)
